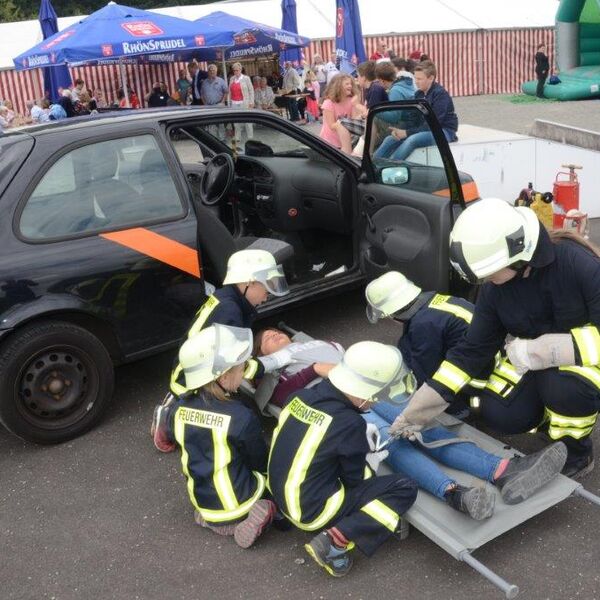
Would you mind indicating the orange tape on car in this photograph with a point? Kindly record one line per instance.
(157, 246)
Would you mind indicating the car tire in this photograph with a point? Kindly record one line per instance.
(56, 380)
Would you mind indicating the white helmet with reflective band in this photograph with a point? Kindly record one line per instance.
(371, 371)
(491, 235)
(389, 294)
(256, 265)
(212, 352)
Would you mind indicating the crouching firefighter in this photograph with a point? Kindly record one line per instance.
(251, 276)
(318, 472)
(540, 298)
(223, 453)
(433, 324)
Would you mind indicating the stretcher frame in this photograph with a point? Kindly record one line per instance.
(454, 532)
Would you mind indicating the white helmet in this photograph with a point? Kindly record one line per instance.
(256, 265)
(371, 371)
(212, 351)
(389, 294)
(491, 235)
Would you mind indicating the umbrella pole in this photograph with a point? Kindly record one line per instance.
(37, 88)
(225, 72)
(124, 82)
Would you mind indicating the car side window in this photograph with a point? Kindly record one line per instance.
(104, 185)
(404, 153)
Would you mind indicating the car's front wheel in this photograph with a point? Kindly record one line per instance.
(56, 379)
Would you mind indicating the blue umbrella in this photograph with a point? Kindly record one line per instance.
(250, 38)
(119, 32)
(58, 77)
(290, 23)
(349, 44)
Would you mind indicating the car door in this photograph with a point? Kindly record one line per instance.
(409, 195)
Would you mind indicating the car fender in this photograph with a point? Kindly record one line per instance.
(61, 307)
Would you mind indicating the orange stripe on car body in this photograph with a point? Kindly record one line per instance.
(470, 192)
(157, 246)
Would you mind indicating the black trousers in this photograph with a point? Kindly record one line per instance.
(539, 90)
(371, 511)
(568, 403)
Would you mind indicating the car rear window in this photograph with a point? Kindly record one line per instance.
(104, 185)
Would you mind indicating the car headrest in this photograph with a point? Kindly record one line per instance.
(153, 162)
(103, 162)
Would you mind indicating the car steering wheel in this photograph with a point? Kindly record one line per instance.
(217, 179)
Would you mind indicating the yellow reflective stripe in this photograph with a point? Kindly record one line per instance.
(499, 385)
(332, 507)
(203, 314)
(592, 374)
(506, 370)
(180, 437)
(283, 415)
(177, 388)
(451, 376)
(251, 369)
(440, 302)
(575, 427)
(377, 510)
(242, 509)
(221, 479)
(588, 343)
(368, 473)
(478, 383)
(302, 461)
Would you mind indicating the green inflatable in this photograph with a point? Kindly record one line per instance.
(577, 52)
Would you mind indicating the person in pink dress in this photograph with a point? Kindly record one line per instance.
(313, 89)
(341, 101)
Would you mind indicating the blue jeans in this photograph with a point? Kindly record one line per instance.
(413, 460)
(401, 149)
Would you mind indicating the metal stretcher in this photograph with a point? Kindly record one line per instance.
(454, 532)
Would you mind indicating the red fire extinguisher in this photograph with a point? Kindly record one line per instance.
(566, 195)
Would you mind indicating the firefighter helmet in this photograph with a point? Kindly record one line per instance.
(389, 294)
(256, 265)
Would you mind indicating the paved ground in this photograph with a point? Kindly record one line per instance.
(106, 516)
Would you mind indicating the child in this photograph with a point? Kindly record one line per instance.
(223, 453)
(318, 471)
(251, 276)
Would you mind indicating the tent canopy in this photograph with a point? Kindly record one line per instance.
(117, 31)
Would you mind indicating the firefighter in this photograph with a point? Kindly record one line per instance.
(432, 324)
(540, 299)
(318, 472)
(223, 453)
(251, 276)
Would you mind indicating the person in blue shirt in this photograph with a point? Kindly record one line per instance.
(400, 144)
(373, 91)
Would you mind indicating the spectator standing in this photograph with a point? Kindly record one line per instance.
(341, 101)
(241, 95)
(318, 68)
(380, 51)
(214, 89)
(291, 85)
(183, 86)
(373, 91)
(331, 69)
(313, 89)
(197, 76)
(542, 67)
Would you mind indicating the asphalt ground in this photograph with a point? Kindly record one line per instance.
(106, 516)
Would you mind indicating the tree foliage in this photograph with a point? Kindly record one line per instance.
(21, 10)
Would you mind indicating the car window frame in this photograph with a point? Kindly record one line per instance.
(51, 160)
(453, 179)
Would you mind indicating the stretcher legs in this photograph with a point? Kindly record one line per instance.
(583, 493)
(510, 590)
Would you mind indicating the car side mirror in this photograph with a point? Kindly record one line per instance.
(395, 175)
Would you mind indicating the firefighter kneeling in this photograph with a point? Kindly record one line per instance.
(318, 471)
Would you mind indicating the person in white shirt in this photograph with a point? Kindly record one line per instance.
(241, 95)
(77, 90)
(331, 68)
(319, 70)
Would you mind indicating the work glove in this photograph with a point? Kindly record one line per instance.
(374, 459)
(424, 405)
(547, 351)
(278, 360)
(376, 456)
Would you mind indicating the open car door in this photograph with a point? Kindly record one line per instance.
(410, 194)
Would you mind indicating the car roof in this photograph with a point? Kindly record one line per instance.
(112, 117)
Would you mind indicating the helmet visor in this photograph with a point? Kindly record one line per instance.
(460, 264)
(233, 346)
(274, 280)
(374, 314)
(401, 383)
